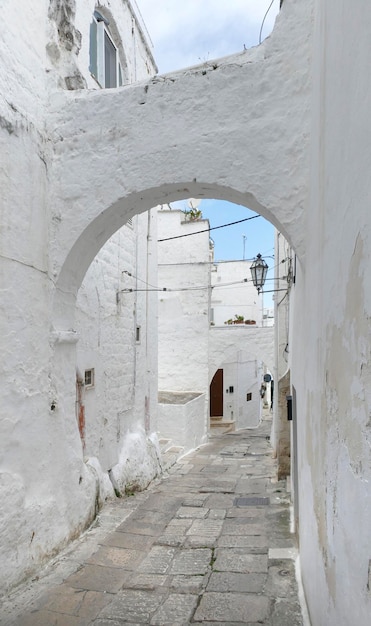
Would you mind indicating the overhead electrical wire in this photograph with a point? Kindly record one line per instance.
(207, 230)
(261, 28)
(198, 288)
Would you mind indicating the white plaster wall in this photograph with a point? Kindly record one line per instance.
(34, 443)
(68, 65)
(184, 271)
(244, 375)
(107, 318)
(226, 341)
(228, 298)
(49, 493)
(183, 318)
(246, 349)
(333, 312)
(123, 401)
(182, 423)
(284, 310)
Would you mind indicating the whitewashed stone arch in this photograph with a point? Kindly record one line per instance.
(235, 129)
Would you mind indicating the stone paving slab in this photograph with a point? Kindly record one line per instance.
(182, 552)
(191, 512)
(251, 543)
(247, 511)
(206, 527)
(285, 612)
(141, 528)
(194, 501)
(229, 582)
(134, 606)
(237, 607)
(177, 609)
(157, 561)
(238, 560)
(191, 561)
(238, 526)
(77, 602)
(48, 618)
(128, 540)
(161, 502)
(121, 558)
(188, 584)
(220, 501)
(147, 581)
(98, 578)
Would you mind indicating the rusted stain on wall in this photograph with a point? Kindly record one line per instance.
(80, 410)
(283, 447)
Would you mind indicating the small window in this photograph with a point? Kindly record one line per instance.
(104, 56)
(137, 334)
(89, 378)
(248, 397)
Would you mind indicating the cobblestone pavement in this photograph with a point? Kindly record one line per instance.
(207, 543)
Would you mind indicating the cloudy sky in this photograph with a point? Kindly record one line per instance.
(189, 32)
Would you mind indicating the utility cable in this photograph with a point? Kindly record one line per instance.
(261, 28)
(207, 230)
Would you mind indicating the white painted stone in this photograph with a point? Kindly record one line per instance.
(43, 462)
(182, 420)
(232, 296)
(283, 129)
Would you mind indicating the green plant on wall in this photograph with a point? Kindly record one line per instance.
(193, 215)
(239, 318)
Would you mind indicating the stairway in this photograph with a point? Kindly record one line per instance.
(169, 453)
(221, 426)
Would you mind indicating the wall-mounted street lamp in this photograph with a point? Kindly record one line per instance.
(259, 270)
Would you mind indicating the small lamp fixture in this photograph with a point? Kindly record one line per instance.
(259, 270)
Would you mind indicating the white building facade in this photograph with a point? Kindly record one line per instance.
(234, 295)
(114, 330)
(221, 364)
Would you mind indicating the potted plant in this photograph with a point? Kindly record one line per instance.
(193, 215)
(238, 319)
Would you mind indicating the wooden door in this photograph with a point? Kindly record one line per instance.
(216, 394)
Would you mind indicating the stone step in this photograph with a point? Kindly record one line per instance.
(170, 457)
(164, 444)
(170, 453)
(223, 426)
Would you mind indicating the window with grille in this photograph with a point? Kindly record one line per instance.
(89, 378)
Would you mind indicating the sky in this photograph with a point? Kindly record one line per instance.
(190, 32)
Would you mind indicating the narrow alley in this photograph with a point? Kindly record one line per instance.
(209, 542)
